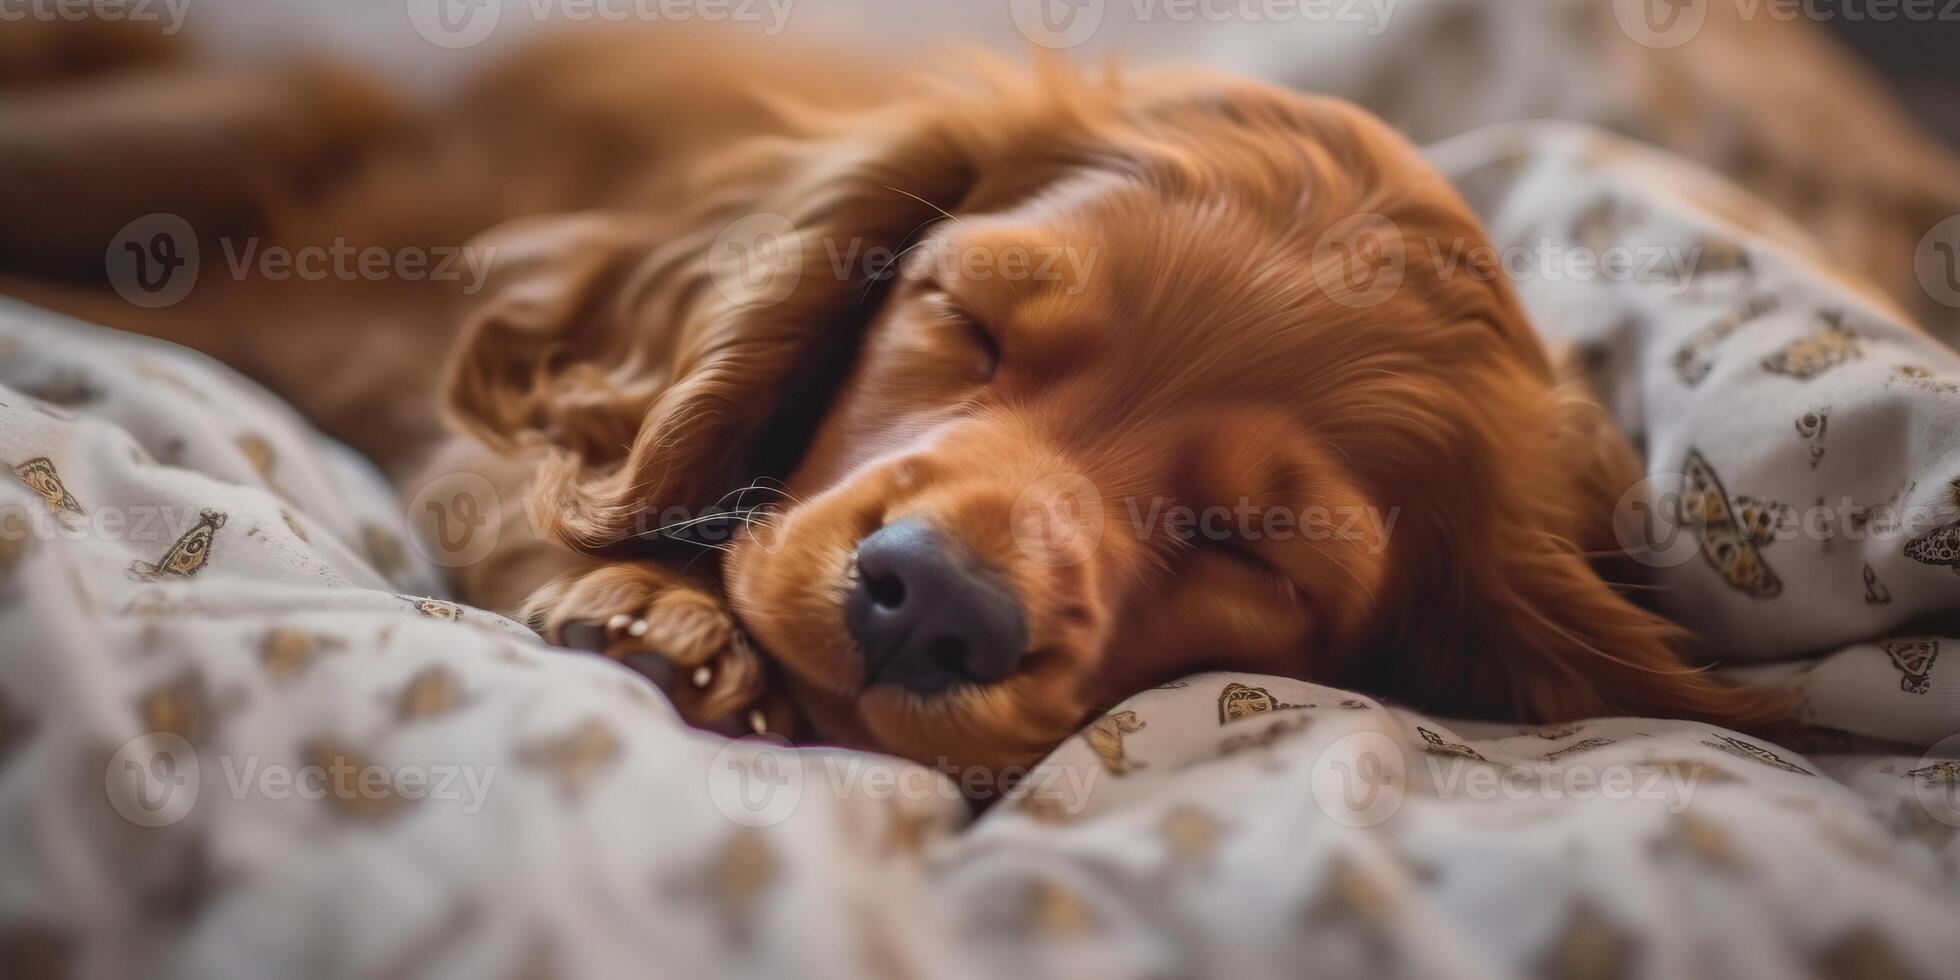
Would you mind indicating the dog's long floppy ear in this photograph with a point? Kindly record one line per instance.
(651, 351)
(1536, 621)
(1573, 643)
(543, 359)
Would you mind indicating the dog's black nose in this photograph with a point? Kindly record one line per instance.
(926, 617)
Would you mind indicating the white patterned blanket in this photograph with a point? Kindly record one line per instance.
(239, 739)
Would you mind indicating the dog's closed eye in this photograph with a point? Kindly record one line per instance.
(966, 330)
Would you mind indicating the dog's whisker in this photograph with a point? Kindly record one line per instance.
(1640, 586)
(746, 517)
(923, 201)
(1359, 583)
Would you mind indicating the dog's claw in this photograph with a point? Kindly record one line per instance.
(682, 639)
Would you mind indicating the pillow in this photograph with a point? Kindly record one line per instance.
(1802, 437)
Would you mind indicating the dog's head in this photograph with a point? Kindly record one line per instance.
(1072, 389)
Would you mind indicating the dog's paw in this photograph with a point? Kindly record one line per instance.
(674, 633)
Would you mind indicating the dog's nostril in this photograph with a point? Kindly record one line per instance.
(926, 615)
(887, 591)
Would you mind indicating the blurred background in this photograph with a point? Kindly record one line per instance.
(1914, 57)
(1917, 63)
(1842, 114)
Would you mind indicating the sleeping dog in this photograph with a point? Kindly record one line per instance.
(1017, 390)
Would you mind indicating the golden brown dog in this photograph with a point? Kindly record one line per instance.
(1021, 390)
